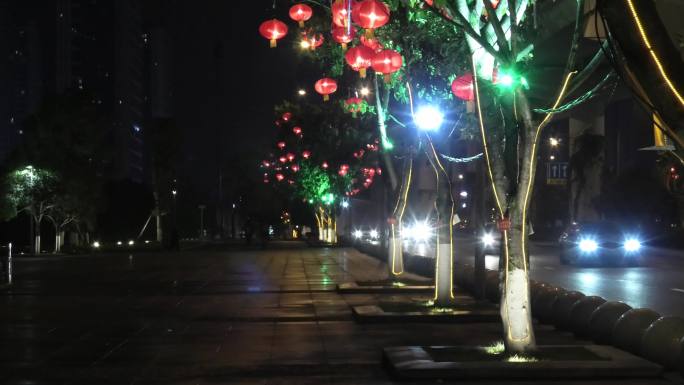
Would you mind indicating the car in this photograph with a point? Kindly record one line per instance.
(600, 243)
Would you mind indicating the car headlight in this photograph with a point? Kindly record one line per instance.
(588, 245)
(374, 234)
(488, 239)
(632, 245)
(358, 234)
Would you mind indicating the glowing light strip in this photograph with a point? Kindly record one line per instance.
(559, 99)
(647, 43)
(484, 140)
(451, 229)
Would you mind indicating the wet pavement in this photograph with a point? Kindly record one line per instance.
(219, 316)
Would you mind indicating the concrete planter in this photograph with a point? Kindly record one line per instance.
(562, 307)
(542, 302)
(662, 341)
(542, 308)
(581, 312)
(630, 328)
(602, 321)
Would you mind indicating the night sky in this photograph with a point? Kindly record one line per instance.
(253, 78)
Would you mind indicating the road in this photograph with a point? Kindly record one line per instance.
(657, 284)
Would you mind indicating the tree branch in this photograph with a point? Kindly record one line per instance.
(459, 21)
(496, 24)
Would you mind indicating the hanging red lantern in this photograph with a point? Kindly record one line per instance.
(372, 43)
(371, 14)
(266, 181)
(379, 171)
(297, 130)
(343, 170)
(325, 87)
(325, 165)
(300, 13)
(273, 30)
(340, 13)
(429, 2)
(280, 177)
(463, 88)
(287, 116)
(306, 154)
(353, 105)
(359, 58)
(341, 36)
(282, 159)
(290, 156)
(387, 62)
(281, 145)
(266, 163)
(295, 168)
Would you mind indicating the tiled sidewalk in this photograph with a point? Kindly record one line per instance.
(214, 317)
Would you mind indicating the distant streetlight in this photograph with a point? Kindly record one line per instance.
(554, 142)
(365, 91)
(174, 192)
(345, 204)
(464, 194)
(460, 176)
(428, 118)
(302, 92)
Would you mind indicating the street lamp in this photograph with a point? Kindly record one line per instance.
(365, 91)
(428, 118)
(302, 92)
(554, 142)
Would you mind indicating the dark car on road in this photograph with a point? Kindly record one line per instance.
(600, 243)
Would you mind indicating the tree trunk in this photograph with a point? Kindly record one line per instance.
(479, 220)
(516, 310)
(58, 242)
(444, 253)
(396, 241)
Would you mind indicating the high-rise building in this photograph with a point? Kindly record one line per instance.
(98, 46)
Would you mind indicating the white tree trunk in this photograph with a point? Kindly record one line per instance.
(516, 312)
(36, 243)
(57, 241)
(443, 278)
(159, 226)
(395, 253)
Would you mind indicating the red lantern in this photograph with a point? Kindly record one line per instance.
(341, 36)
(266, 163)
(353, 105)
(295, 168)
(325, 165)
(325, 87)
(387, 62)
(281, 145)
(282, 159)
(371, 43)
(371, 14)
(273, 30)
(359, 58)
(462, 87)
(280, 177)
(340, 13)
(290, 156)
(297, 130)
(300, 13)
(306, 154)
(287, 116)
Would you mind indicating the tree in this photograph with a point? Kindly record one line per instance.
(31, 190)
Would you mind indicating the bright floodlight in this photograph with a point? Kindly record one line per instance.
(374, 234)
(428, 118)
(96, 244)
(358, 234)
(588, 245)
(421, 232)
(131, 243)
(632, 245)
(301, 92)
(119, 243)
(488, 239)
(365, 91)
